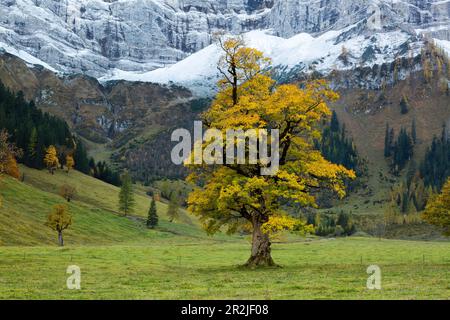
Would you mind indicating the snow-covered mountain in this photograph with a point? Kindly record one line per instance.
(143, 39)
(301, 53)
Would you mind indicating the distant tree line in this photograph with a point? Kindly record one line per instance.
(336, 147)
(435, 168)
(330, 224)
(410, 196)
(102, 171)
(420, 183)
(30, 129)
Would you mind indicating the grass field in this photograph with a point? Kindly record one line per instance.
(120, 259)
(180, 270)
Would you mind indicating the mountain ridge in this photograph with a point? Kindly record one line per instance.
(95, 37)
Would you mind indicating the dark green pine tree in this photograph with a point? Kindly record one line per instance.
(336, 147)
(403, 151)
(80, 157)
(152, 219)
(391, 138)
(334, 123)
(32, 148)
(435, 168)
(389, 141)
(126, 195)
(405, 202)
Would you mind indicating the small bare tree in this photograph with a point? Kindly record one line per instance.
(67, 192)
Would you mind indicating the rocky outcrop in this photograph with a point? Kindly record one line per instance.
(94, 37)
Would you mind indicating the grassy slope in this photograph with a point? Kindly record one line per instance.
(96, 221)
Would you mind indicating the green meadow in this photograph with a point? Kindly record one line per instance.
(210, 270)
(121, 259)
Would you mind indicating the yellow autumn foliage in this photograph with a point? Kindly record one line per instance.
(437, 211)
(232, 194)
(70, 162)
(51, 159)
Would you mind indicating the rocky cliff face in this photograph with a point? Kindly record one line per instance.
(114, 113)
(95, 37)
(129, 122)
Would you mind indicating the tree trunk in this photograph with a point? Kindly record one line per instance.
(235, 85)
(60, 239)
(261, 256)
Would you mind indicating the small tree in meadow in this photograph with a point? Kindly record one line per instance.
(152, 220)
(59, 220)
(67, 192)
(126, 196)
(173, 211)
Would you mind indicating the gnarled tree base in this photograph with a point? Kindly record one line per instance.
(261, 252)
(258, 262)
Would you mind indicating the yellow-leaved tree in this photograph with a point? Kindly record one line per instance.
(231, 195)
(70, 162)
(51, 159)
(59, 220)
(437, 211)
(8, 154)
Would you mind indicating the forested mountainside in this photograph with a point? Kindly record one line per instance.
(114, 120)
(129, 123)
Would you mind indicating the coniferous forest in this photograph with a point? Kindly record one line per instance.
(33, 131)
(401, 150)
(435, 167)
(337, 147)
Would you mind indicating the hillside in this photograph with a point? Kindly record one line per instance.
(96, 221)
(120, 259)
(366, 113)
(224, 150)
(122, 122)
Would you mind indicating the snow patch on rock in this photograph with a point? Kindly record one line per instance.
(323, 54)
